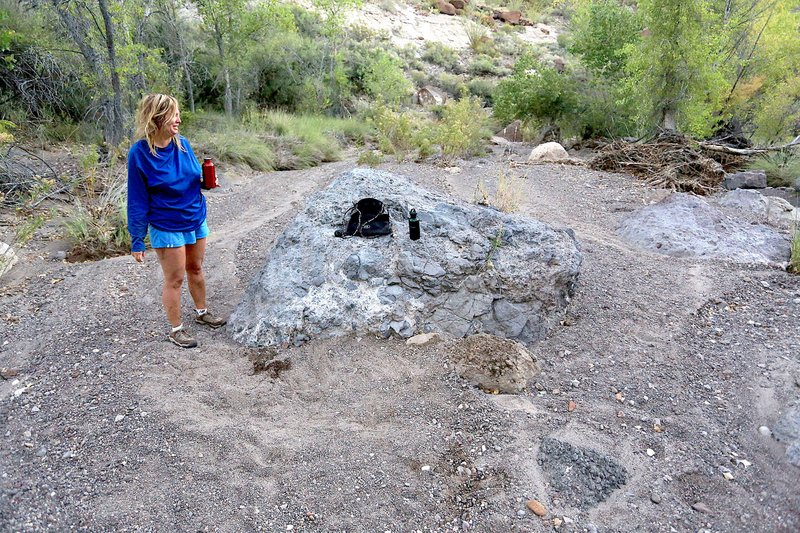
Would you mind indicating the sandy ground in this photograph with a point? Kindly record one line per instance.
(109, 427)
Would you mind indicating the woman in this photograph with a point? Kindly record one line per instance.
(164, 194)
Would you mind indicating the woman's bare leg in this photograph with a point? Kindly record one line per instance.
(195, 253)
(173, 264)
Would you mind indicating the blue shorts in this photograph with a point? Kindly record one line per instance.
(176, 239)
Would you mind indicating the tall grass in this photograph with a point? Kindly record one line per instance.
(782, 168)
(100, 229)
(274, 140)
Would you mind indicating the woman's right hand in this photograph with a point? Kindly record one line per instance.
(139, 256)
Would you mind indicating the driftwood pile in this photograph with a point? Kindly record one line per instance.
(669, 161)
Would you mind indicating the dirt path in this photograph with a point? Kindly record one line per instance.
(110, 428)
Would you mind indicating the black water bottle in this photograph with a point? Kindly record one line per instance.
(413, 225)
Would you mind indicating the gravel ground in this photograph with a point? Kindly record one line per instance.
(672, 366)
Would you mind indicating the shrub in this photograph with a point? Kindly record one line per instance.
(794, 257)
(463, 129)
(371, 158)
(402, 133)
(100, 230)
(386, 82)
(484, 64)
(601, 30)
(535, 91)
(440, 54)
(483, 88)
(782, 167)
(451, 83)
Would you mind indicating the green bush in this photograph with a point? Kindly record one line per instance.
(483, 88)
(386, 82)
(402, 134)
(536, 91)
(454, 85)
(782, 167)
(601, 31)
(464, 128)
(441, 54)
(101, 229)
(484, 64)
(371, 158)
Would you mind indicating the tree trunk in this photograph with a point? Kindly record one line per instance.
(226, 75)
(114, 124)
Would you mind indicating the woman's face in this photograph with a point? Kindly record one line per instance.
(170, 127)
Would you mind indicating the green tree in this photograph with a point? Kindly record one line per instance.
(674, 71)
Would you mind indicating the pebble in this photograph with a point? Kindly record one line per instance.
(426, 468)
(537, 508)
(119, 418)
(727, 475)
(655, 498)
(764, 430)
(571, 406)
(557, 523)
(521, 512)
(650, 452)
(701, 508)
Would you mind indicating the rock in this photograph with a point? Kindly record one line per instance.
(511, 17)
(426, 468)
(458, 4)
(650, 452)
(582, 476)
(797, 185)
(512, 132)
(793, 453)
(430, 95)
(764, 430)
(728, 476)
(393, 285)
(750, 179)
(655, 498)
(557, 522)
(683, 225)
(787, 430)
(493, 363)
(119, 418)
(700, 507)
(537, 508)
(8, 258)
(551, 151)
(423, 339)
(571, 406)
(445, 7)
(772, 209)
(7, 372)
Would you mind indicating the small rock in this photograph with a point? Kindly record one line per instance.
(521, 513)
(571, 406)
(119, 418)
(423, 339)
(727, 475)
(764, 430)
(6, 372)
(619, 397)
(557, 522)
(650, 452)
(700, 507)
(655, 498)
(41, 452)
(426, 468)
(537, 508)
(67, 455)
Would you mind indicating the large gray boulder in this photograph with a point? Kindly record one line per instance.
(683, 225)
(771, 209)
(749, 179)
(475, 269)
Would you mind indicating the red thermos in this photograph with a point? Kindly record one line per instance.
(209, 174)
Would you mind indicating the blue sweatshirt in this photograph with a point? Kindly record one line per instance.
(163, 191)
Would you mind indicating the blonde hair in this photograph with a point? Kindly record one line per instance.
(154, 111)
